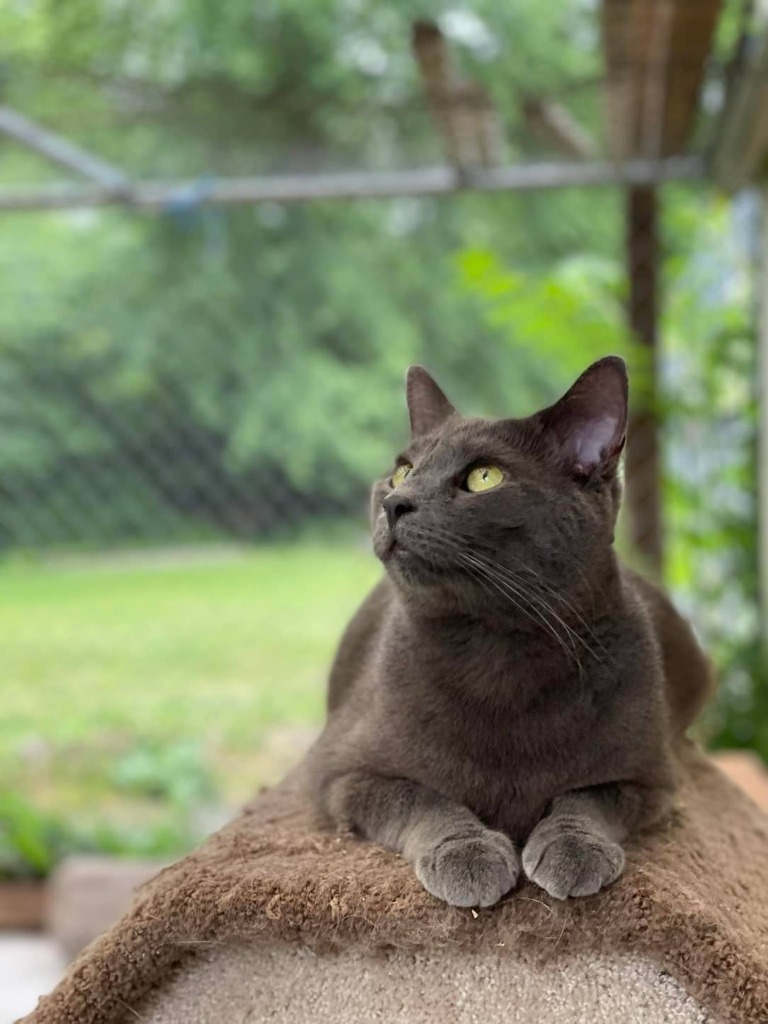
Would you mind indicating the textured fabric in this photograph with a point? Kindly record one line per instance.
(292, 986)
(693, 900)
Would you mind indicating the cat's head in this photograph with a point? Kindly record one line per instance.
(476, 506)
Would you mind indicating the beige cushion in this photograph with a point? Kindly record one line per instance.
(291, 985)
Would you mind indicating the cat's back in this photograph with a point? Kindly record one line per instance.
(688, 673)
(359, 642)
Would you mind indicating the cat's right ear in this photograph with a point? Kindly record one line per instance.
(586, 430)
(428, 407)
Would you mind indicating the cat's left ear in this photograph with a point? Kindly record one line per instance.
(428, 407)
(587, 428)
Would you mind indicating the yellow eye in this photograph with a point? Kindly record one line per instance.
(401, 473)
(483, 478)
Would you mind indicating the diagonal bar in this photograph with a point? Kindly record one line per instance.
(61, 151)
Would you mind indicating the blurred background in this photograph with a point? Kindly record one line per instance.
(225, 231)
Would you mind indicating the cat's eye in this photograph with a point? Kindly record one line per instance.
(400, 474)
(483, 478)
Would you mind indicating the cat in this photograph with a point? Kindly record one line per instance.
(509, 697)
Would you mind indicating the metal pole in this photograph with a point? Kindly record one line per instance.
(428, 181)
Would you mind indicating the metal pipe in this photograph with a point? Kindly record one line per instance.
(429, 181)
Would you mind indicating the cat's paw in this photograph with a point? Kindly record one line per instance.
(473, 871)
(571, 860)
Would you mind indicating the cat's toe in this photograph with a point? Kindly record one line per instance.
(473, 871)
(567, 862)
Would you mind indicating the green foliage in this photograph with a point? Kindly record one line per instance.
(710, 420)
(213, 382)
(171, 775)
(206, 371)
(34, 841)
(174, 773)
(193, 88)
(30, 841)
(553, 324)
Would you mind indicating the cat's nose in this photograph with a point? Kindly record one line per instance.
(396, 506)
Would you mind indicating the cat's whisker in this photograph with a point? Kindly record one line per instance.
(530, 599)
(541, 605)
(557, 595)
(542, 582)
(470, 564)
(532, 594)
(491, 571)
(479, 580)
(508, 589)
(541, 601)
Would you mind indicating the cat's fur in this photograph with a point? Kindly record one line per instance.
(509, 695)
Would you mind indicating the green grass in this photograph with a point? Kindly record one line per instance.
(105, 658)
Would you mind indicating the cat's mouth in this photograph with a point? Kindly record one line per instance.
(394, 549)
(408, 561)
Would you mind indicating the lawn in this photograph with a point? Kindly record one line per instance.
(130, 682)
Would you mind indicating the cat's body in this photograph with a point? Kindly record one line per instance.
(508, 680)
(506, 742)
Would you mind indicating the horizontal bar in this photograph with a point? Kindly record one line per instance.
(430, 181)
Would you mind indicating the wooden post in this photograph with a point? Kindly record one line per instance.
(643, 462)
(462, 111)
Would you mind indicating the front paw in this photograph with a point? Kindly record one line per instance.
(567, 859)
(474, 871)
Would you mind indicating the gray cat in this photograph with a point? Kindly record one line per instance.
(509, 696)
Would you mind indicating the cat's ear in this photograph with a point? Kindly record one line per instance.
(428, 407)
(587, 428)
